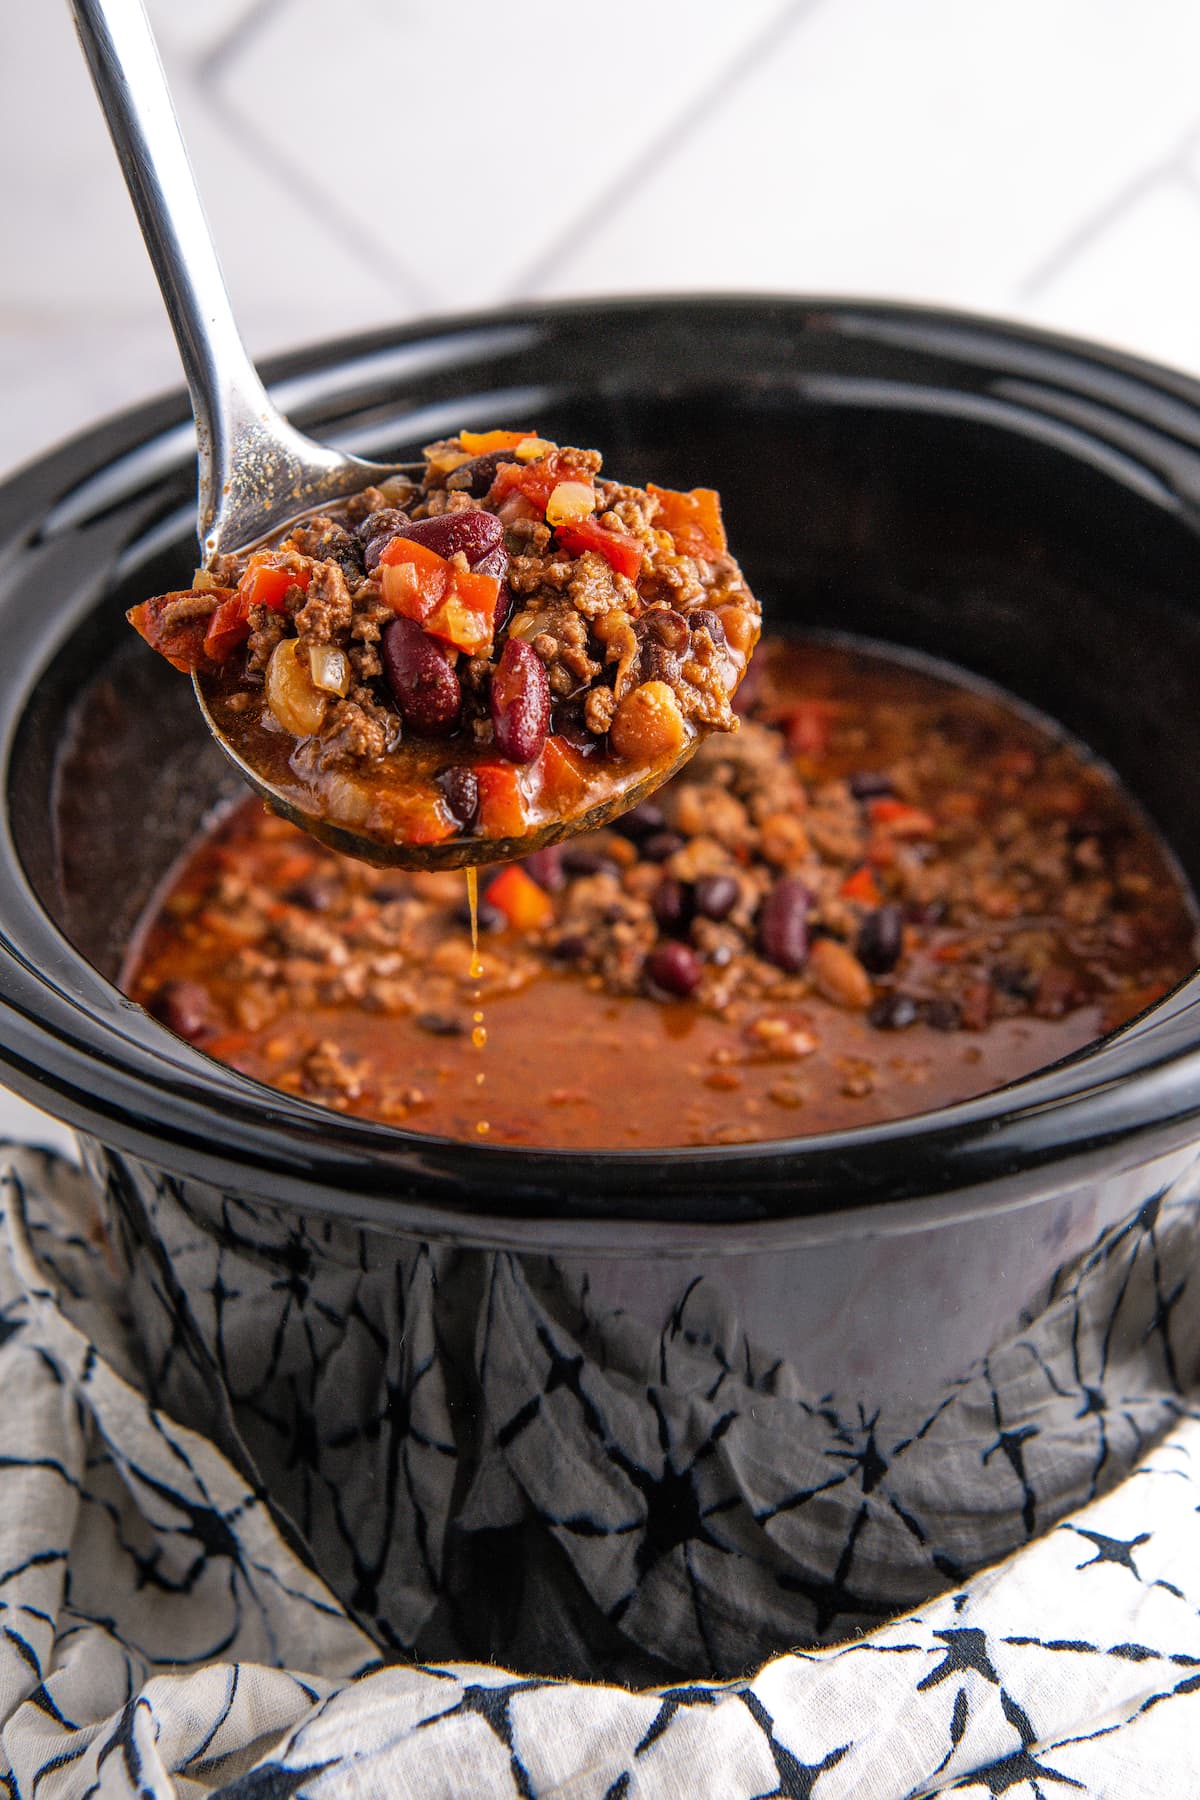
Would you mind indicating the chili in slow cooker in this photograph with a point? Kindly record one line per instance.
(886, 892)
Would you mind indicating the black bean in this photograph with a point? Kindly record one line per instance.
(310, 895)
(184, 1008)
(674, 969)
(520, 702)
(572, 948)
(943, 1014)
(716, 895)
(1015, 979)
(869, 784)
(660, 845)
(783, 925)
(545, 866)
(641, 821)
(585, 859)
(476, 477)
(672, 904)
(441, 1024)
(461, 788)
(894, 1012)
(881, 939)
(422, 677)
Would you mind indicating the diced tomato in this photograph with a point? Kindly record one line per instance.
(480, 443)
(806, 726)
(182, 644)
(562, 770)
(524, 904)
(535, 480)
(265, 584)
(414, 578)
(862, 886)
(228, 628)
(901, 819)
(620, 551)
(501, 805)
(693, 520)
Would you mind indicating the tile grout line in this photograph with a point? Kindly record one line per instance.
(1173, 166)
(714, 96)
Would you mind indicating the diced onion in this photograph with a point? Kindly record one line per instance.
(570, 500)
(296, 702)
(330, 669)
(530, 448)
(347, 801)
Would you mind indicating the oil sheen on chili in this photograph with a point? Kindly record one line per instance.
(887, 891)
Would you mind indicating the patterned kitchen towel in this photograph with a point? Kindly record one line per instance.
(159, 1638)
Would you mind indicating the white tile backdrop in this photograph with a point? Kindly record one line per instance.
(1036, 158)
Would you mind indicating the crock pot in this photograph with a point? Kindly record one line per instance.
(641, 1414)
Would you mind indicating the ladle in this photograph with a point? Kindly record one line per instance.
(256, 471)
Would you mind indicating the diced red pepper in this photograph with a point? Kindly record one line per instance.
(524, 904)
(456, 607)
(182, 644)
(862, 886)
(901, 819)
(228, 628)
(466, 617)
(693, 520)
(501, 805)
(620, 551)
(535, 480)
(266, 584)
(481, 443)
(414, 578)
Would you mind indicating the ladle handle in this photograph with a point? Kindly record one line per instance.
(248, 452)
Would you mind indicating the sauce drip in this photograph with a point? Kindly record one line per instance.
(479, 1032)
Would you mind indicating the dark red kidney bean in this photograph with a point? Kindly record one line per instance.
(422, 678)
(894, 1012)
(546, 868)
(716, 896)
(376, 533)
(661, 844)
(880, 940)
(572, 948)
(474, 532)
(674, 969)
(783, 925)
(711, 624)
(943, 1014)
(477, 476)
(495, 564)
(569, 723)
(869, 784)
(520, 702)
(641, 821)
(1014, 979)
(461, 788)
(672, 904)
(184, 1008)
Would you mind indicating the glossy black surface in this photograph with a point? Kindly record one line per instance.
(1020, 505)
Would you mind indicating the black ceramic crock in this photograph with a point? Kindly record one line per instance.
(642, 1414)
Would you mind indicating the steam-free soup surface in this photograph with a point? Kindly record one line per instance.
(886, 892)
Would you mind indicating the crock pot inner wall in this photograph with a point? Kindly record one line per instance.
(1022, 563)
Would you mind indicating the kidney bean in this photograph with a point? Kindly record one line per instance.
(520, 702)
(943, 1014)
(711, 623)
(545, 866)
(783, 925)
(461, 788)
(495, 564)
(641, 821)
(881, 939)
(475, 533)
(422, 678)
(674, 968)
(184, 1008)
(716, 896)
(672, 904)
(377, 531)
(572, 948)
(477, 476)
(894, 1012)
(660, 845)
(1014, 979)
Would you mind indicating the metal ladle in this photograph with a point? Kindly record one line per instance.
(256, 471)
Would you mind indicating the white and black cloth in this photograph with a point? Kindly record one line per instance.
(159, 1636)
